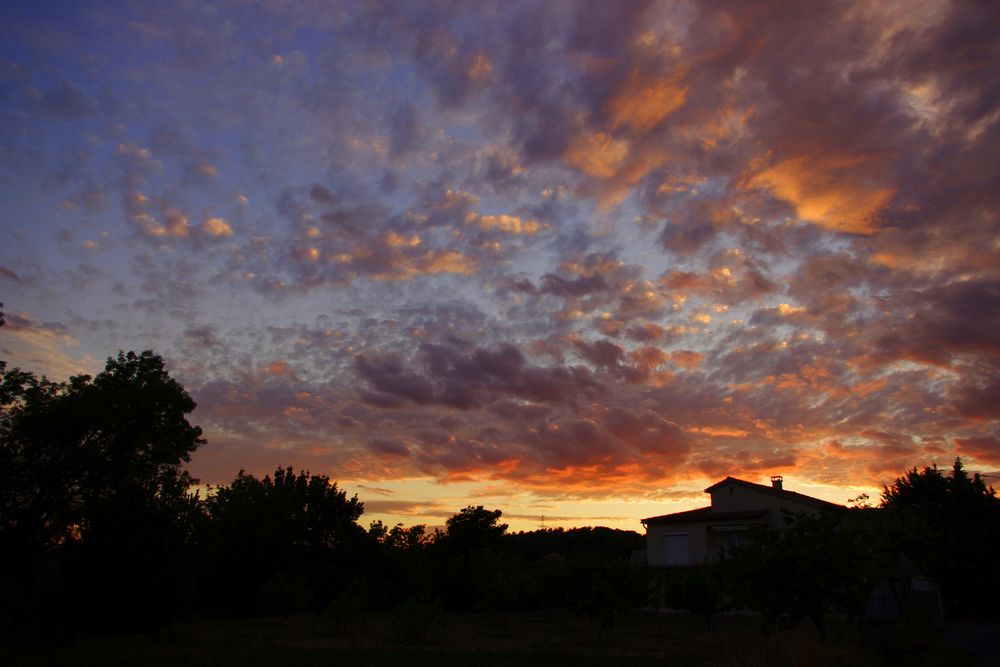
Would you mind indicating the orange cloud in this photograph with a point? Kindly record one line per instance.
(643, 101)
(480, 69)
(394, 240)
(446, 261)
(43, 347)
(278, 368)
(839, 192)
(508, 224)
(175, 224)
(599, 155)
(217, 227)
(720, 431)
(687, 358)
(649, 357)
(984, 449)
(868, 463)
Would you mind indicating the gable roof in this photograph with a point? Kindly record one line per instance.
(780, 493)
(706, 514)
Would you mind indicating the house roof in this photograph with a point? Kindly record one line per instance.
(780, 493)
(706, 514)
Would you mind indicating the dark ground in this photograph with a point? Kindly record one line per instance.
(542, 638)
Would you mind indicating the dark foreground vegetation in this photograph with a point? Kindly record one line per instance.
(100, 536)
(931, 529)
(487, 639)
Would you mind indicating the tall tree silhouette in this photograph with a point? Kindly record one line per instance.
(474, 528)
(91, 483)
(954, 534)
(66, 446)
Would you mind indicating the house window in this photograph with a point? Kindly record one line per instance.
(675, 549)
(735, 538)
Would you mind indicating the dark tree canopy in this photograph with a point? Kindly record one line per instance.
(475, 528)
(282, 542)
(593, 542)
(307, 510)
(65, 446)
(96, 525)
(399, 538)
(953, 532)
(930, 491)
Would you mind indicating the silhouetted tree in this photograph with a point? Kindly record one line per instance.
(399, 567)
(67, 446)
(280, 542)
(474, 528)
(595, 543)
(457, 579)
(399, 538)
(931, 493)
(92, 488)
(954, 532)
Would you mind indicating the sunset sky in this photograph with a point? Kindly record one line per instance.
(572, 260)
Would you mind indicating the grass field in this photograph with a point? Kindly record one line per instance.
(488, 639)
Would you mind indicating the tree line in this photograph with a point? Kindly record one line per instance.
(100, 533)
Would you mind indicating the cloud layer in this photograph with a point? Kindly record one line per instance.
(590, 250)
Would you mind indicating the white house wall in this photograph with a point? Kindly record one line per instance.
(697, 541)
(739, 498)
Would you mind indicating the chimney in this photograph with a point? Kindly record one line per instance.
(776, 482)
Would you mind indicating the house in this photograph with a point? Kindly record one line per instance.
(695, 536)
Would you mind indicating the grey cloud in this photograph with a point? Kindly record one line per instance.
(464, 377)
(404, 129)
(68, 101)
